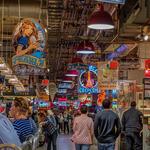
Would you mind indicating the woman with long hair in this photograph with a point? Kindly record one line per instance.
(25, 38)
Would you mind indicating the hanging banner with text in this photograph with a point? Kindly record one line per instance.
(29, 43)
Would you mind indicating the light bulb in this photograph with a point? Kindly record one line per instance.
(146, 37)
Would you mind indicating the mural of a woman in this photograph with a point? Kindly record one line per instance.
(26, 40)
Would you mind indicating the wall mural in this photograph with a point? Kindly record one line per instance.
(29, 43)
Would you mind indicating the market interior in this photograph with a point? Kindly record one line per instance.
(62, 54)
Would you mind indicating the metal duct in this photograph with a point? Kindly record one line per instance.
(28, 8)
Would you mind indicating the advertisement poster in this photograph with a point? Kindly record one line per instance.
(29, 43)
(107, 77)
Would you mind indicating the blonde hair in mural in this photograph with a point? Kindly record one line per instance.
(21, 28)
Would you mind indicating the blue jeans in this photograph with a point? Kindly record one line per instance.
(106, 146)
(82, 146)
(51, 140)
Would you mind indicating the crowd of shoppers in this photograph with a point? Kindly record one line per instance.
(105, 126)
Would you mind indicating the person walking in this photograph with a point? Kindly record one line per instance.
(66, 122)
(83, 130)
(132, 127)
(107, 127)
(50, 130)
(60, 121)
(52, 137)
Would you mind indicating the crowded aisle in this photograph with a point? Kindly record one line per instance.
(63, 143)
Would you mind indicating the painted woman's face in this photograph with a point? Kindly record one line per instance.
(28, 30)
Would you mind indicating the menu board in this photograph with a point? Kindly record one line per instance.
(146, 82)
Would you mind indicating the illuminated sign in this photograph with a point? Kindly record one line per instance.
(44, 104)
(62, 91)
(147, 68)
(29, 43)
(88, 80)
(62, 99)
(65, 86)
(113, 1)
(29, 60)
(121, 49)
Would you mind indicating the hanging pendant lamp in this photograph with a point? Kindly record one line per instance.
(72, 73)
(67, 80)
(101, 20)
(85, 48)
(77, 60)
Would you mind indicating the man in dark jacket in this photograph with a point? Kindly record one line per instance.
(132, 127)
(107, 127)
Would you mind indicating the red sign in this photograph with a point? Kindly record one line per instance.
(114, 64)
(147, 68)
(62, 99)
(45, 82)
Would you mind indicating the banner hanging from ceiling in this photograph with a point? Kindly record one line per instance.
(88, 80)
(107, 75)
(29, 43)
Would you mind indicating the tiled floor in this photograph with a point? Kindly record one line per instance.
(63, 143)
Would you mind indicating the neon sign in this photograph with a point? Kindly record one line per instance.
(88, 80)
(147, 68)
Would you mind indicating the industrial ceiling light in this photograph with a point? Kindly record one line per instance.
(146, 37)
(142, 37)
(72, 73)
(101, 20)
(77, 60)
(67, 80)
(85, 48)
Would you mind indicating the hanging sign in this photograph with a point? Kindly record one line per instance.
(88, 80)
(107, 77)
(113, 1)
(147, 68)
(101, 97)
(52, 90)
(29, 43)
